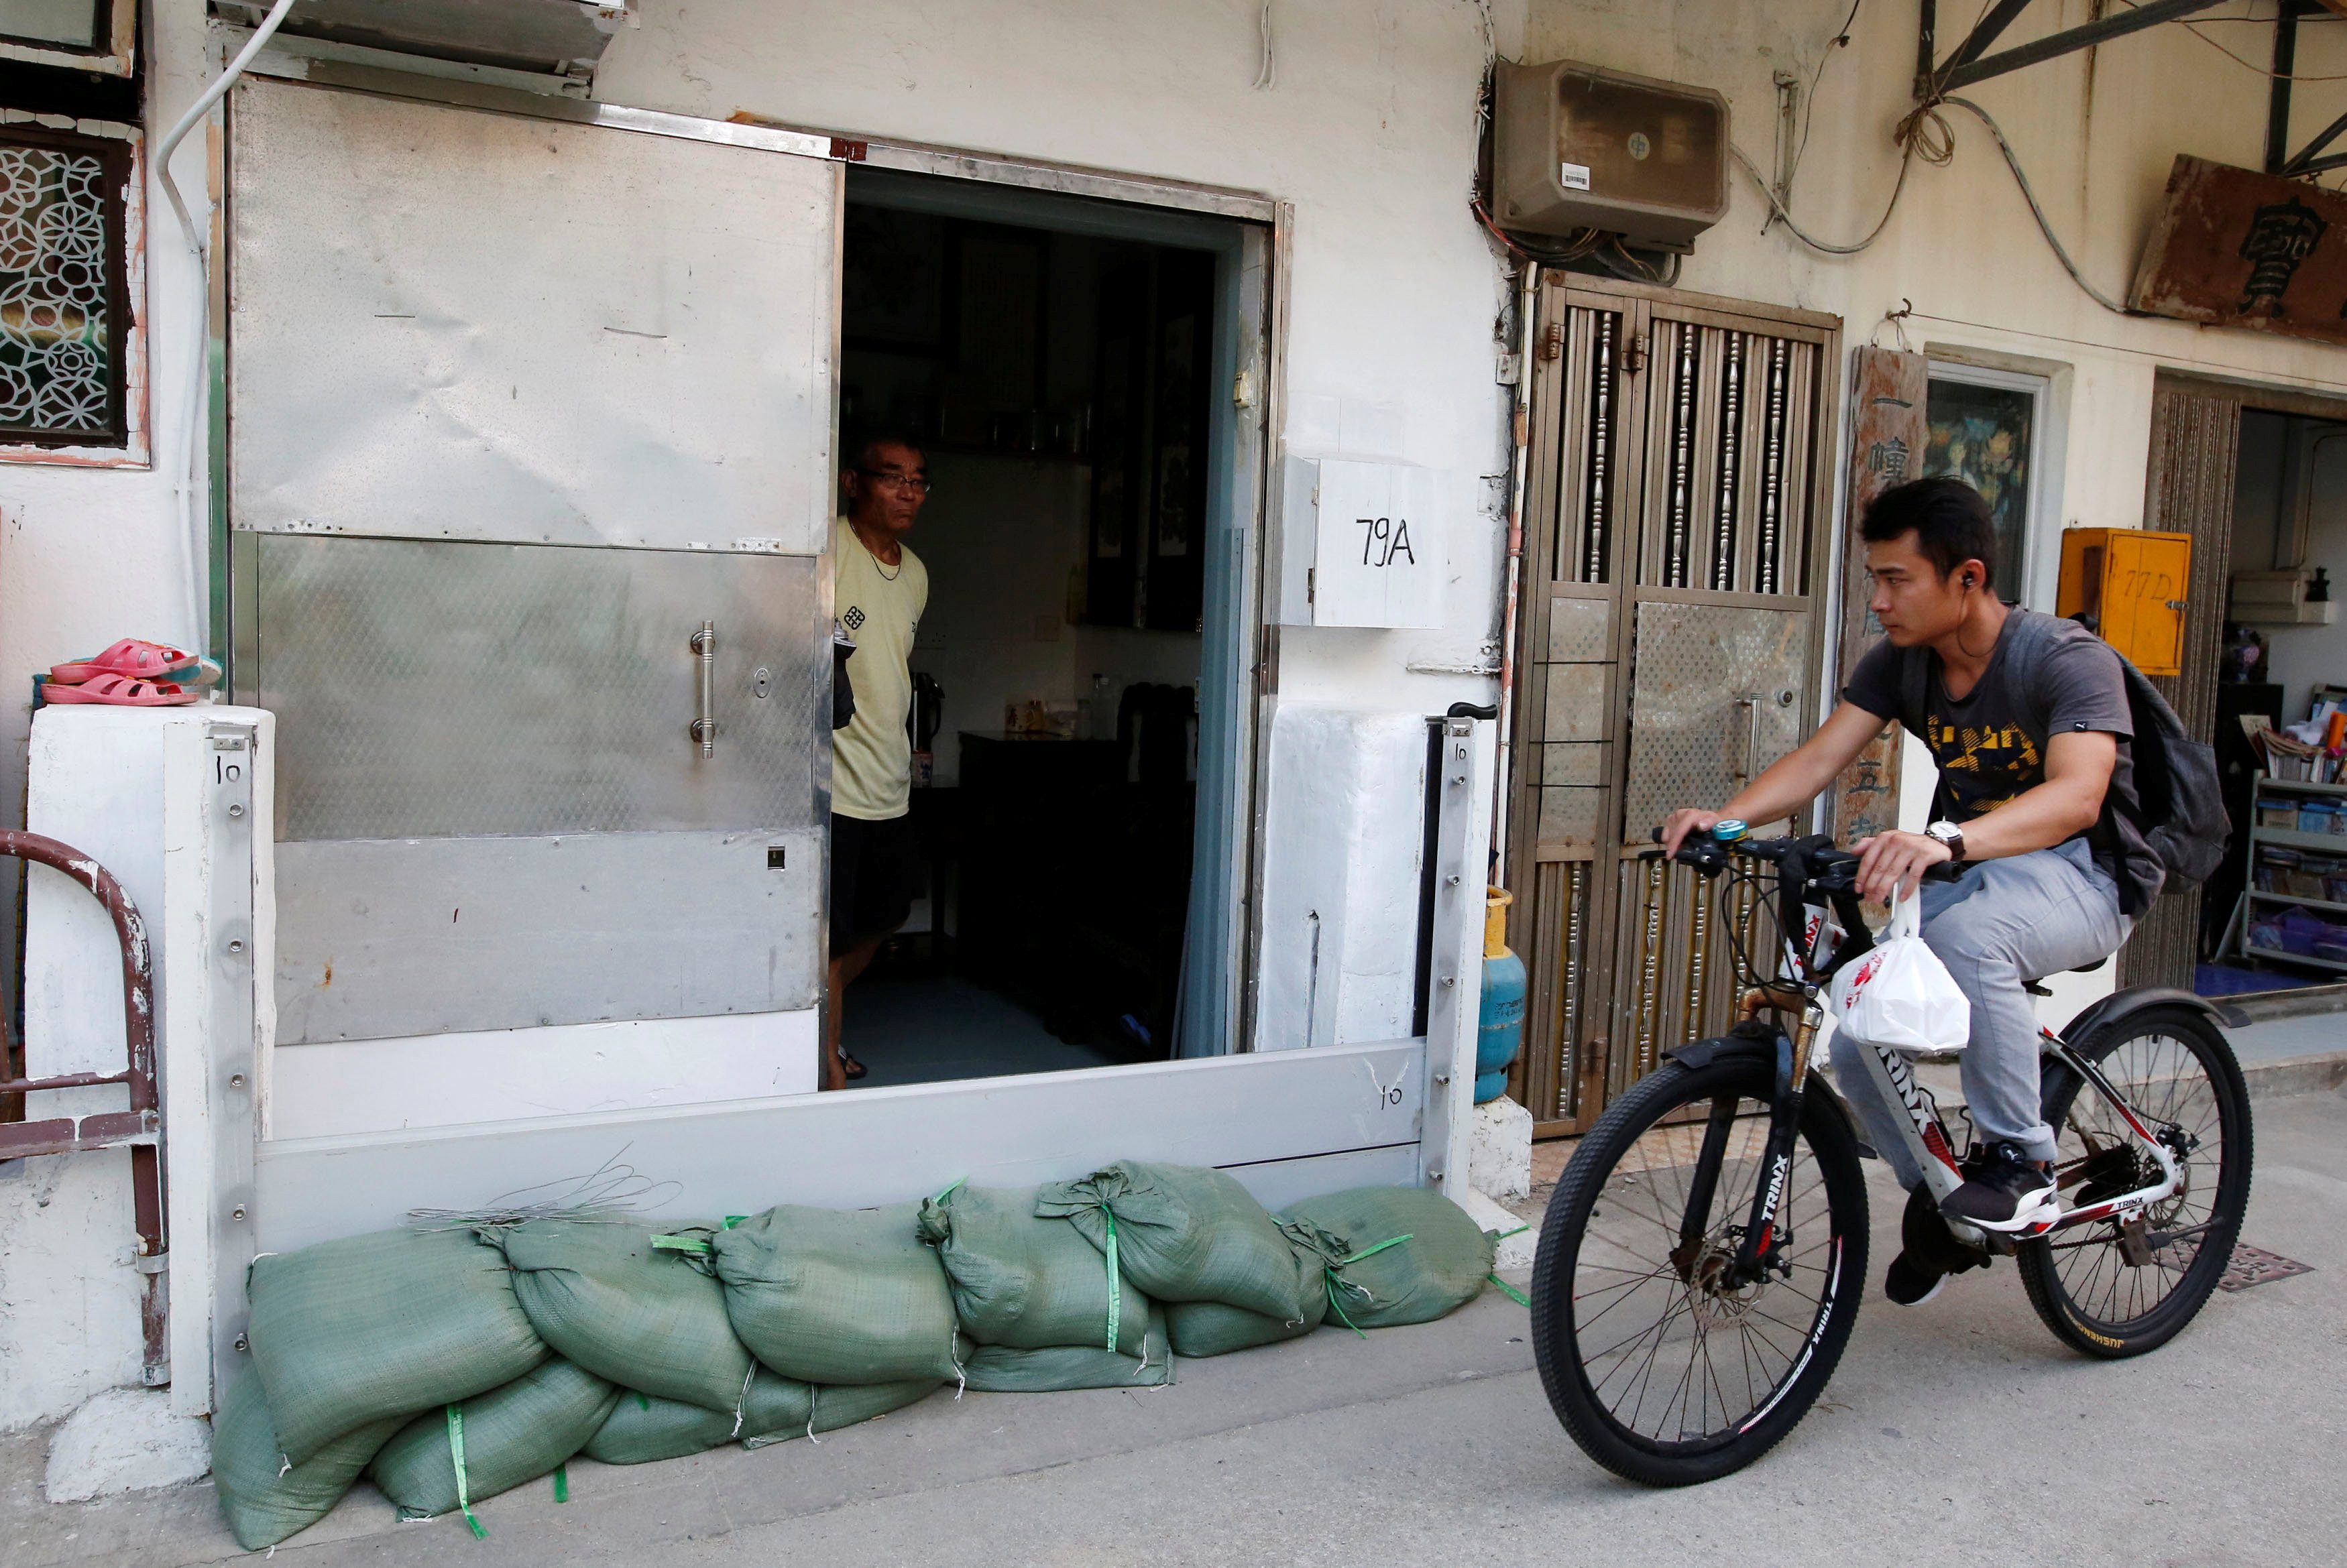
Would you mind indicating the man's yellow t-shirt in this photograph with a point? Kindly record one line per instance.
(880, 607)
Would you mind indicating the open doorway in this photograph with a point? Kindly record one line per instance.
(2274, 917)
(1052, 367)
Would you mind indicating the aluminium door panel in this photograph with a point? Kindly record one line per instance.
(519, 407)
(455, 324)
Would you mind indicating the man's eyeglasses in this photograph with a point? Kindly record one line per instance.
(917, 483)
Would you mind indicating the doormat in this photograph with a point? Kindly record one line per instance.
(2256, 1266)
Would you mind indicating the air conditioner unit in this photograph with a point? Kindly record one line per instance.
(539, 46)
(1577, 146)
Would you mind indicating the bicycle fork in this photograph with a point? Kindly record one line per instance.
(1764, 1242)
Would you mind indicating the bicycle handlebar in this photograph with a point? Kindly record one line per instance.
(1830, 867)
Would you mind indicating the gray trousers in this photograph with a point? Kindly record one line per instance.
(2005, 923)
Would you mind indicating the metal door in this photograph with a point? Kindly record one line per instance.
(1669, 650)
(527, 550)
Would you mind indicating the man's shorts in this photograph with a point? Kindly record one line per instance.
(874, 870)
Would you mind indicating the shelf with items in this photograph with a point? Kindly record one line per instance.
(2317, 858)
(2279, 954)
(2258, 895)
(2300, 786)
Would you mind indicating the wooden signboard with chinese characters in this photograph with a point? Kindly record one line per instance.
(2233, 247)
(1886, 448)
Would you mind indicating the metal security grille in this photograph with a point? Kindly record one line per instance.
(61, 288)
(1669, 653)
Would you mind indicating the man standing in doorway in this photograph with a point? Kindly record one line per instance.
(878, 595)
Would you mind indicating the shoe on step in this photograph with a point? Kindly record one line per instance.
(2003, 1191)
(1908, 1283)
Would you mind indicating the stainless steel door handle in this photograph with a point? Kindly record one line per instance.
(1751, 707)
(703, 727)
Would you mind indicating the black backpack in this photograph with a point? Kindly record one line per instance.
(2178, 815)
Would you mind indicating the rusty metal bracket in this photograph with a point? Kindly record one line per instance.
(139, 1128)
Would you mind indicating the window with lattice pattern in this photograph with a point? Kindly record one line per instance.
(63, 300)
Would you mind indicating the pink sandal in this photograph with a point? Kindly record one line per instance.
(141, 661)
(119, 691)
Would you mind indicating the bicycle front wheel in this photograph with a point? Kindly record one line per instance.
(2114, 1290)
(1663, 1369)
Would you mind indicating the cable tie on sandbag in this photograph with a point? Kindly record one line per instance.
(562, 1483)
(1115, 1284)
(680, 1244)
(741, 1404)
(1334, 1280)
(950, 1191)
(1521, 1298)
(1503, 1235)
(457, 1456)
(814, 1393)
(731, 1220)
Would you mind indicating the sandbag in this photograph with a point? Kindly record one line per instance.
(1004, 1369)
(512, 1434)
(1183, 1233)
(1215, 1329)
(1439, 1270)
(641, 1428)
(839, 1296)
(847, 1404)
(347, 1333)
(266, 1501)
(1025, 1282)
(643, 1316)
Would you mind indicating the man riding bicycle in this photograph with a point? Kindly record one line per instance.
(2027, 718)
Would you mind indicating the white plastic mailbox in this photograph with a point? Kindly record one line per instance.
(1364, 544)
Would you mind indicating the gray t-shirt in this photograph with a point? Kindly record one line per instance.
(2045, 678)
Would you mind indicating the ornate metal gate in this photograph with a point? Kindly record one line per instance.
(1670, 640)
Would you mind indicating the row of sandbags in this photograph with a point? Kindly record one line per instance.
(455, 1363)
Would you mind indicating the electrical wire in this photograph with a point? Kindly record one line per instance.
(200, 360)
(2036, 211)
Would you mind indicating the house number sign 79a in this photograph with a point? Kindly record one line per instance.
(1383, 539)
(1378, 557)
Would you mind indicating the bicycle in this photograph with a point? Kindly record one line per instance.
(1702, 1261)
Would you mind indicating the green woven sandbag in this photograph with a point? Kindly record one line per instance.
(348, 1332)
(641, 1428)
(845, 1405)
(645, 1316)
(513, 1434)
(1024, 1282)
(1213, 1328)
(1439, 1270)
(1002, 1370)
(1183, 1233)
(839, 1296)
(264, 1501)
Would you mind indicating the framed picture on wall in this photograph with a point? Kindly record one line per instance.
(1998, 431)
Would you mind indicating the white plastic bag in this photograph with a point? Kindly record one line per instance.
(1899, 995)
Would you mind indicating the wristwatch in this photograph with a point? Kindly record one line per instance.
(1951, 835)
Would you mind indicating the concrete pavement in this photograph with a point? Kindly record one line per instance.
(1956, 1431)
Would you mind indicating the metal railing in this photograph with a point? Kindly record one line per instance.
(140, 1128)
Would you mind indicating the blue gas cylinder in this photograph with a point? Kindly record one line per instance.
(1502, 1033)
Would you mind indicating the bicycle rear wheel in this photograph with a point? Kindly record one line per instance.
(1661, 1373)
(2113, 1290)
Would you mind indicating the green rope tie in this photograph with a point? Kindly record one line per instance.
(949, 1191)
(1521, 1298)
(642, 1403)
(457, 1455)
(1330, 1280)
(1115, 1286)
(562, 1483)
(682, 1244)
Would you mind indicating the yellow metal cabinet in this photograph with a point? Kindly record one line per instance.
(2129, 584)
